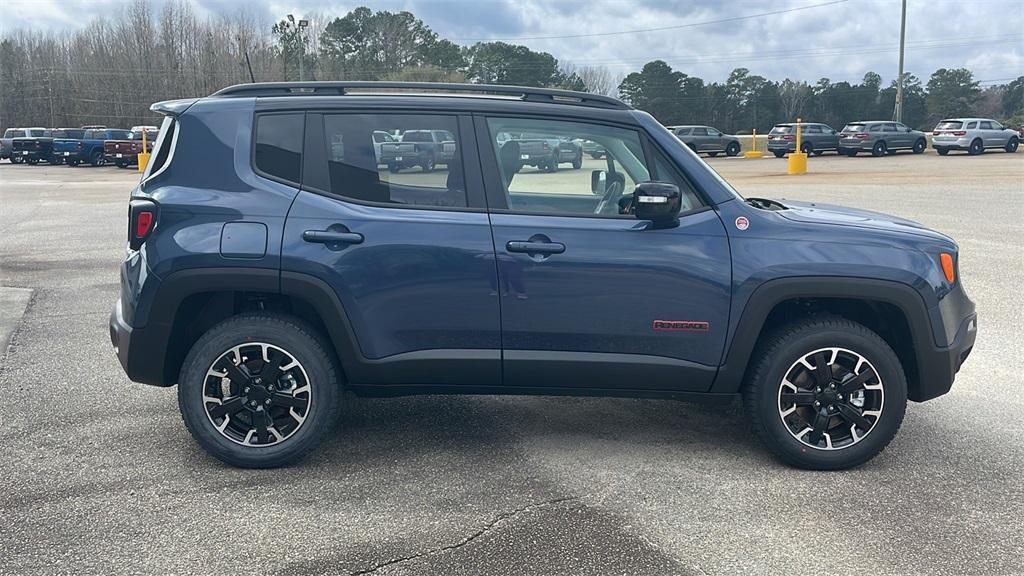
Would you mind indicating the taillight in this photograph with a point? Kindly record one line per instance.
(861, 136)
(959, 133)
(788, 137)
(80, 145)
(936, 133)
(141, 222)
(545, 146)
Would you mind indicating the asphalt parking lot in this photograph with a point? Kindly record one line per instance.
(99, 475)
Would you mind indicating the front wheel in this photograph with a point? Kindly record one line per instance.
(1011, 146)
(732, 149)
(919, 146)
(825, 393)
(259, 390)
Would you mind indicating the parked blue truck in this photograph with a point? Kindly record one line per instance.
(88, 147)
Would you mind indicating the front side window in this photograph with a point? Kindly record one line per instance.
(986, 125)
(683, 131)
(421, 167)
(812, 129)
(544, 171)
(713, 132)
(279, 145)
(700, 131)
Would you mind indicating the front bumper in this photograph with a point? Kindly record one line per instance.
(940, 365)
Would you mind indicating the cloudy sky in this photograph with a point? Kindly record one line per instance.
(800, 39)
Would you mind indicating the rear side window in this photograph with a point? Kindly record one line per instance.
(162, 148)
(279, 145)
(413, 170)
(36, 133)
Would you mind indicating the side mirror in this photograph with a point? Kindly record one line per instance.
(598, 182)
(658, 202)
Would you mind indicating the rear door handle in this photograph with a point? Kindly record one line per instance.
(332, 237)
(526, 247)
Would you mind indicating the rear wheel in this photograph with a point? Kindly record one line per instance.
(942, 151)
(32, 161)
(825, 393)
(552, 164)
(919, 146)
(97, 159)
(428, 165)
(55, 160)
(259, 391)
(73, 162)
(16, 159)
(712, 154)
(596, 155)
(807, 148)
(1011, 146)
(851, 153)
(577, 162)
(779, 153)
(977, 147)
(394, 168)
(122, 164)
(732, 149)
(879, 149)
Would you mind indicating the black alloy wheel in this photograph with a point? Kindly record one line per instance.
(977, 147)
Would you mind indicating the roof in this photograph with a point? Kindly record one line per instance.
(486, 91)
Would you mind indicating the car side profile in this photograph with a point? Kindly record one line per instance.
(707, 140)
(272, 263)
(975, 135)
(815, 138)
(880, 138)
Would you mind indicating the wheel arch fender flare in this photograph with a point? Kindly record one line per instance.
(766, 297)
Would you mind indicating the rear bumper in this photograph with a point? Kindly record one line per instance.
(69, 155)
(951, 144)
(127, 157)
(33, 154)
(140, 351)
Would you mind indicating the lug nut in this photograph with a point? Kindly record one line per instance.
(832, 385)
(259, 380)
(817, 404)
(267, 401)
(246, 391)
(840, 396)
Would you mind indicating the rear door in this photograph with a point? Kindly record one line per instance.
(592, 297)
(408, 254)
(700, 139)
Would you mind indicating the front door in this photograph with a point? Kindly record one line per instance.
(406, 249)
(590, 296)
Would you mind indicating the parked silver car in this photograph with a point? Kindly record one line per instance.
(815, 138)
(974, 135)
(707, 140)
(880, 137)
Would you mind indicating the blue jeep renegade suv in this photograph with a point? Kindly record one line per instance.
(274, 261)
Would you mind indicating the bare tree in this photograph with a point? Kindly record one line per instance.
(792, 96)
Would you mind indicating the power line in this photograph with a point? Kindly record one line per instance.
(663, 28)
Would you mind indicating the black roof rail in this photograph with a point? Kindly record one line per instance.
(548, 95)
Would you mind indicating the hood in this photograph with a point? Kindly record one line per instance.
(816, 213)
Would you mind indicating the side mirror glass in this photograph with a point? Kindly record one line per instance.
(598, 182)
(658, 202)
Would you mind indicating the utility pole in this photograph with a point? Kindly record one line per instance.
(898, 113)
(302, 24)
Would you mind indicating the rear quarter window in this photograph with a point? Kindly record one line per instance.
(279, 146)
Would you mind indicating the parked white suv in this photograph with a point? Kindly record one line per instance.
(974, 135)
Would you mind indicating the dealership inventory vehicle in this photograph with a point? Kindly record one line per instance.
(423, 148)
(975, 135)
(591, 148)
(707, 140)
(12, 133)
(544, 151)
(89, 146)
(60, 136)
(125, 153)
(35, 148)
(265, 276)
(815, 138)
(880, 138)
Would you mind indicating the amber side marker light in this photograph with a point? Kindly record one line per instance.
(947, 266)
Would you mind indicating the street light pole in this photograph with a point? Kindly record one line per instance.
(302, 48)
(898, 113)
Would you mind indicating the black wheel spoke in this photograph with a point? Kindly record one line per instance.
(238, 374)
(800, 398)
(819, 427)
(854, 416)
(261, 420)
(271, 371)
(853, 382)
(822, 372)
(284, 399)
(230, 407)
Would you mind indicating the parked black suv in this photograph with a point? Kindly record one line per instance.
(272, 261)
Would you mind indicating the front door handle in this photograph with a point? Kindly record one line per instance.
(528, 247)
(332, 237)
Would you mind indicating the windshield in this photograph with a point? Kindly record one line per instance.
(36, 133)
(854, 127)
(67, 133)
(949, 125)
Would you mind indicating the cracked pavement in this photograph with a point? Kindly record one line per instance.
(99, 476)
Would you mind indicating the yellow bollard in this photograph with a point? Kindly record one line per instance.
(143, 156)
(753, 152)
(797, 160)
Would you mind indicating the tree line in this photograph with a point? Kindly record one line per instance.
(110, 71)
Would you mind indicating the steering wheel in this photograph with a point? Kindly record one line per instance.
(614, 189)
